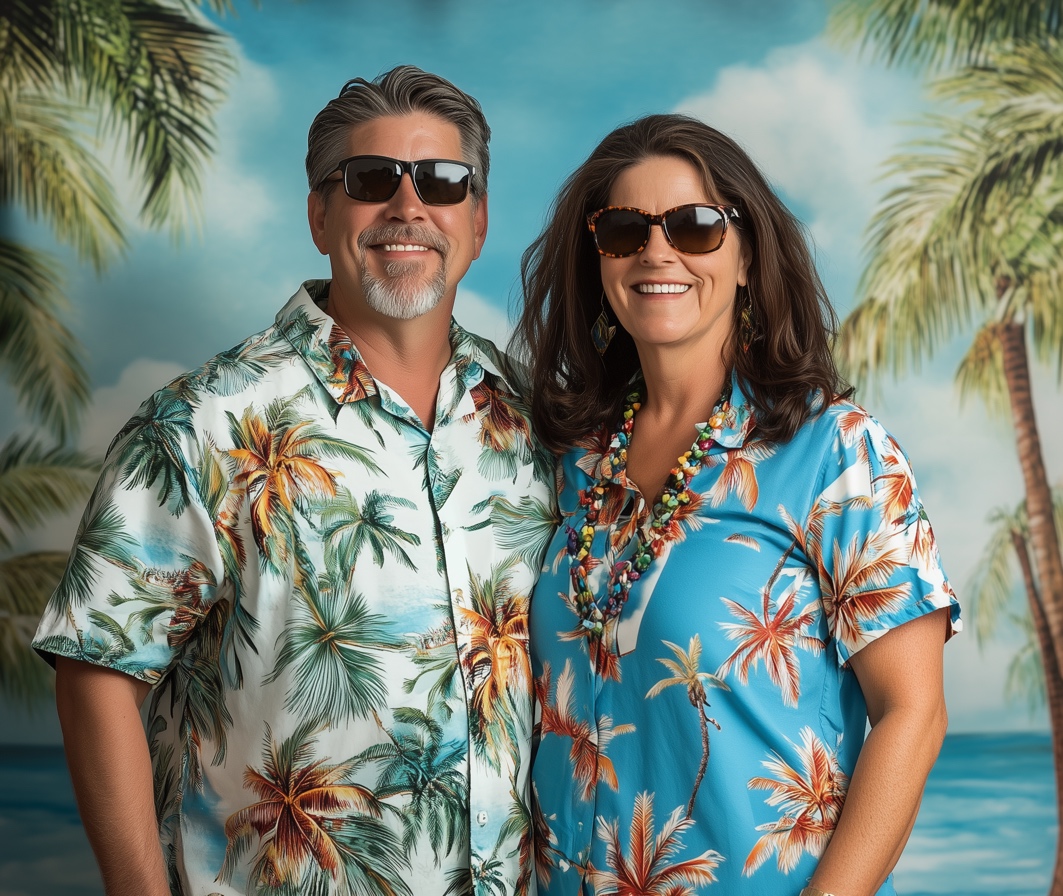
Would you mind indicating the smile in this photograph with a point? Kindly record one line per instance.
(658, 288)
(403, 247)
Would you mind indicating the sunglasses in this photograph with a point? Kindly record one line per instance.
(377, 179)
(696, 229)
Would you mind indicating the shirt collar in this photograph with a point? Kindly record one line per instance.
(338, 366)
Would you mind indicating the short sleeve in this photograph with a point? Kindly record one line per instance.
(870, 539)
(145, 567)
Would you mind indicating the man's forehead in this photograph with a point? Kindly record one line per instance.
(410, 136)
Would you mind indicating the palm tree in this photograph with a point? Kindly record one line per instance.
(935, 33)
(148, 74)
(348, 529)
(972, 242)
(332, 646)
(35, 482)
(416, 763)
(773, 637)
(647, 871)
(496, 662)
(992, 592)
(277, 455)
(685, 672)
(313, 823)
(809, 799)
(590, 764)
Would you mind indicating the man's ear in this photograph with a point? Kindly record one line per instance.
(315, 215)
(479, 224)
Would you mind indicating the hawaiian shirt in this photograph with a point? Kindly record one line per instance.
(330, 604)
(702, 739)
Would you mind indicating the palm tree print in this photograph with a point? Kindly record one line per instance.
(349, 529)
(772, 636)
(739, 475)
(855, 590)
(590, 764)
(647, 869)
(332, 645)
(810, 800)
(277, 457)
(505, 433)
(496, 659)
(150, 448)
(416, 763)
(305, 820)
(685, 672)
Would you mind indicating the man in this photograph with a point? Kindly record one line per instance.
(313, 557)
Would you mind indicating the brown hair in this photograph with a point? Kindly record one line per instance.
(784, 369)
(402, 90)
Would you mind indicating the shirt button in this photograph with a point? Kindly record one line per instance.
(481, 818)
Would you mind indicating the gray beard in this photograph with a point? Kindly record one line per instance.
(404, 295)
(395, 299)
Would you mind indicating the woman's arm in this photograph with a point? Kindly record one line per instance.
(901, 675)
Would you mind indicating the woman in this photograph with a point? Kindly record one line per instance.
(711, 637)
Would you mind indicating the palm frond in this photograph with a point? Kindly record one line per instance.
(992, 584)
(1026, 672)
(36, 482)
(981, 372)
(26, 581)
(48, 169)
(159, 72)
(935, 33)
(38, 351)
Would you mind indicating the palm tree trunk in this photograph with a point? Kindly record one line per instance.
(1044, 540)
(704, 760)
(1053, 686)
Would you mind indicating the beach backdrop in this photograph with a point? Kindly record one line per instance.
(922, 151)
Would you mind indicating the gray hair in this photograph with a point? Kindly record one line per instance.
(402, 90)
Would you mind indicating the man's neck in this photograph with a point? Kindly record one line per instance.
(408, 356)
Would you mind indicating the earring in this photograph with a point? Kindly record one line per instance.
(602, 332)
(747, 331)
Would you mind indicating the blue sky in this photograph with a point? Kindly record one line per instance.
(553, 78)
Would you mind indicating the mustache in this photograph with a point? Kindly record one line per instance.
(403, 233)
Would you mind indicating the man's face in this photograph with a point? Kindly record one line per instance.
(400, 257)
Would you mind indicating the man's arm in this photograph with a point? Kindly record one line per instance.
(107, 753)
(901, 676)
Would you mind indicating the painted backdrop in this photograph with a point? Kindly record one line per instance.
(155, 291)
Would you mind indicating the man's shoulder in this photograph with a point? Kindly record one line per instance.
(512, 374)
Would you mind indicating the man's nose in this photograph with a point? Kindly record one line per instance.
(406, 205)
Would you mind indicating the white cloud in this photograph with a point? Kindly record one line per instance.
(112, 406)
(477, 315)
(819, 124)
(235, 203)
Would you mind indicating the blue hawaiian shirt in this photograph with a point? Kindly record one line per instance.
(706, 737)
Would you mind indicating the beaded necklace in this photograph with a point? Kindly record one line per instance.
(648, 545)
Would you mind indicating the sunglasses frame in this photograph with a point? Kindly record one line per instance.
(726, 212)
(404, 168)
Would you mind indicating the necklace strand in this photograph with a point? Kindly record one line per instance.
(648, 544)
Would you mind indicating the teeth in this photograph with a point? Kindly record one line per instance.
(647, 288)
(399, 247)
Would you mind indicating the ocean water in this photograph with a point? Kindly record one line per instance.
(987, 825)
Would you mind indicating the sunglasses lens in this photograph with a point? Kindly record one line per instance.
(696, 229)
(620, 232)
(371, 180)
(442, 183)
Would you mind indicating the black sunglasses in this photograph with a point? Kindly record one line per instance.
(377, 179)
(695, 229)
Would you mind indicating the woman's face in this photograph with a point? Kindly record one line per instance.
(666, 300)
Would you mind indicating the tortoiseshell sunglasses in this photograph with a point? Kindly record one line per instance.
(695, 229)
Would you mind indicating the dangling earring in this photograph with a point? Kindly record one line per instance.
(602, 332)
(747, 332)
